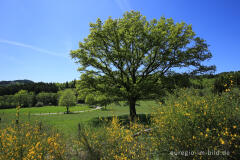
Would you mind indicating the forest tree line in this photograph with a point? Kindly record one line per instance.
(42, 94)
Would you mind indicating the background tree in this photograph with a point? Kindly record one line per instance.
(131, 55)
(90, 99)
(23, 98)
(103, 100)
(68, 99)
(47, 98)
(88, 91)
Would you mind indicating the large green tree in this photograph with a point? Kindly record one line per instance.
(130, 55)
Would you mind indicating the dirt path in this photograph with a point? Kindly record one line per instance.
(45, 114)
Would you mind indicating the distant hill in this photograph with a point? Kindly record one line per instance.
(7, 83)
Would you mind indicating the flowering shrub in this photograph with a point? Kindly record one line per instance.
(208, 126)
(116, 142)
(29, 142)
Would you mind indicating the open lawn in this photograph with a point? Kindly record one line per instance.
(47, 109)
(67, 123)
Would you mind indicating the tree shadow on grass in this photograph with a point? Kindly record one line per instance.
(144, 119)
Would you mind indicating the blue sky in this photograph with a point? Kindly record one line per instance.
(37, 36)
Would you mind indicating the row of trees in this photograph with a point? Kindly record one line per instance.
(29, 99)
(36, 87)
(24, 98)
(87, 90)
(86, 93)
(21, 98)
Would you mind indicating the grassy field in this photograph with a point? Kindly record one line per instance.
(47, 109)
(67, 123)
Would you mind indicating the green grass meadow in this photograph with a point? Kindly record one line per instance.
(68, 123)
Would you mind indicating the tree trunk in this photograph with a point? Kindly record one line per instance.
(67, 109)
(132, 104)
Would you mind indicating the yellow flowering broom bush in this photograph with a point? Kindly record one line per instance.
(30, 142)
(189, 126)
(116, 141)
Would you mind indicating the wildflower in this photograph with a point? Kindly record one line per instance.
(221, 141)
(28, 134)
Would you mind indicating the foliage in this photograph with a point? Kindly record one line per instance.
(68, 99)
(62, 86)
(224, 81)
(7, 83)
(30, 87)
(7, 101)
(114, 141)
(88, 93)
(130, 55)
(189, 122)
(90, 99)
(47, 98)
(24, 98)
(27, 142)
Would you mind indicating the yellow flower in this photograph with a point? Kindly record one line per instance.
(227, 90)
(28, 134)
(221, 141)
(207, 130)
(234, 127)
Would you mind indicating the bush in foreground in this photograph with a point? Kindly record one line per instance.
(189, 126)
(28, 142)
(115, 141)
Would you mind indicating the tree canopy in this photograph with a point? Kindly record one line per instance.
(68, 99)
(127, 57)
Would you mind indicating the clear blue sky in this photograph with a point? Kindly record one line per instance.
(37, 35)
